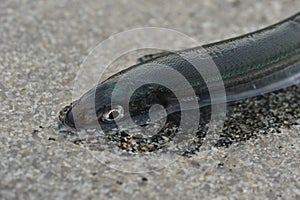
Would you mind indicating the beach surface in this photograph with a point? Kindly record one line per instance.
(42, 46)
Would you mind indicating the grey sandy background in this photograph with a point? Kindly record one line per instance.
(42, 44)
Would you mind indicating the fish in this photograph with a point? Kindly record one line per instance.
(248, 65)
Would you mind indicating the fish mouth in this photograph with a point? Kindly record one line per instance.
(66, 116)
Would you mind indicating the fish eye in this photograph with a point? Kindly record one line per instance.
(114, 114)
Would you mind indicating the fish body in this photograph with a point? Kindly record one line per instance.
(248, 65)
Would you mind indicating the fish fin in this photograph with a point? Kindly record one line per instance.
(148, 57)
